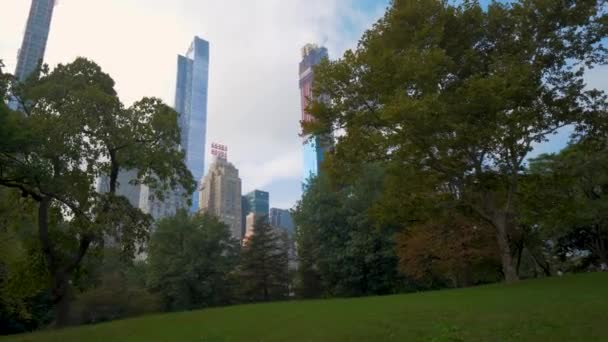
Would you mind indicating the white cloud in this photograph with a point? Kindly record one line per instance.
(260, 175)
(254, 104)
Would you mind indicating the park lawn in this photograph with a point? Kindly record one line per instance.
(570, 308)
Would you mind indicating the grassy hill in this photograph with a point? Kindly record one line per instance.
(572, 308)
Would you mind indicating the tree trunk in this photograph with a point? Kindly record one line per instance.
(603, 256)
(60, 275)
(502, 237)
(602, 251)
(61, 299)
(520, 250)
(541, 262)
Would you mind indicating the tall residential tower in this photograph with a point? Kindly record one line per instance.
(314, 147)
(35, 37)
(191, 104)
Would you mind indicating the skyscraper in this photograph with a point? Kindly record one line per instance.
(281, 218)
(315, 146)
(244, 212)
(191, 104)
(220, 195)
(258, 202)
(35, 38)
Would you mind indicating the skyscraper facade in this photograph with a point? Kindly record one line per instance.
(191, 104)
(34, 40)
(281, 218)
(142, 197)
(314, 147)
(244, 212)
(220, 195)
(258, 202)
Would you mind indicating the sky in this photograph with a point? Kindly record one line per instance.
(254, 104)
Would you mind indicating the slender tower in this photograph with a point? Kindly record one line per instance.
(191, 104)
(314, 147)
(35, 38)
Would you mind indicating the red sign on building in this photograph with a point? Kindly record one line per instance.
(219, 150)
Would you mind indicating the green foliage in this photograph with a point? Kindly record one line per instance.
(263, 271)
(190, 262)
(114, 298)
(24, 297)
(342, 250)
(573, 186)
(72, 129)
(454, 97)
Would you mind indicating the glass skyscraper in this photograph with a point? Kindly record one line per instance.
(258, 202)
(191, 104)
(35, 37)
(314, 147)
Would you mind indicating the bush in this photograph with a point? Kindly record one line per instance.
(112, 300)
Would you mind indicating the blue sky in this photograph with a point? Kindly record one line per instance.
(254, 104)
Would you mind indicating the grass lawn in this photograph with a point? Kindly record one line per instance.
(571, 308)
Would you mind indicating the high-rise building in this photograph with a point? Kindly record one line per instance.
(314, 147)
(125, 187)
(172, 201)
(245, 210)
(191, 104)
(34, 40)
(220, 195)
(249, 224)
(258, 202)
(142, 197)
(281, 218)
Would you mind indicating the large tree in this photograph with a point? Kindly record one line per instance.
(344, 249)
(263, 270)
(460, 95)
(570, 195)
(72, 129)
(191, 262)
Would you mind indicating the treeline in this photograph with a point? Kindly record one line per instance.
(71, 253)
(192, 262)
(434, 115)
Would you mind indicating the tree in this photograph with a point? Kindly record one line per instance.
(24, 297)
(118, 291)
(344, 249)
(191, 261)
(460, 95)
(573, 186)
(264, 274)
(451, 251)
(71, 130)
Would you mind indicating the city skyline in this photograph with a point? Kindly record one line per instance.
(248, 67)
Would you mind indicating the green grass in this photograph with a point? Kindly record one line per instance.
(572, 308)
